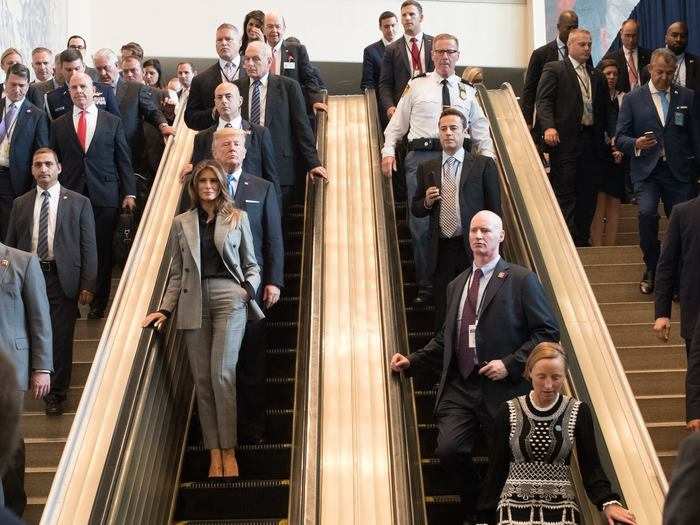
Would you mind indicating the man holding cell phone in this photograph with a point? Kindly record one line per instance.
(658, 130)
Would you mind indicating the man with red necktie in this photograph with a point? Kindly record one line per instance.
(96, 160)
(497, 313)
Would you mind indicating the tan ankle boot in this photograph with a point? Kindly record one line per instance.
(216, 469)
(230, 463)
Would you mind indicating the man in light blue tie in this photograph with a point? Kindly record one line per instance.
(658, 130)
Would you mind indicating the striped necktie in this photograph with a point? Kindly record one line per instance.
(42, 247)
(255, 103)
(449, 222)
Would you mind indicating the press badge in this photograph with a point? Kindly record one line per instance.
(289, 65)
(472, 335)
(5, 152)
(679, 118)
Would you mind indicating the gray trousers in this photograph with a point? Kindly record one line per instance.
(419, 226)
(213, 354)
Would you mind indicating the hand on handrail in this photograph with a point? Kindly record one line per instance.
(319, 172)
(154, 320)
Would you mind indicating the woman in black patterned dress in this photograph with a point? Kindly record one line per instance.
(529, 480)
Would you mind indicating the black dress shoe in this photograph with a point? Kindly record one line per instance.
(96, 313)
(646, 285)
(424, 297)
(54, 405)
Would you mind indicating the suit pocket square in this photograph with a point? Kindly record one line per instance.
(252, 202)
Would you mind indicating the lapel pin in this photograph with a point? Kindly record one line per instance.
(65, 197)
(4, 263)
(502, 275)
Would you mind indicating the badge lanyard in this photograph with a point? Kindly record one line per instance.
(677, 76)
(233, 77)
(420, 50)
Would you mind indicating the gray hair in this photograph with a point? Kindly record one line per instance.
(575, 32)
(108, 54)
(666, 55)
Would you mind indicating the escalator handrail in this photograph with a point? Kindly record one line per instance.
(75, 485)
(403, 425)
(305, 468)
(602, 381)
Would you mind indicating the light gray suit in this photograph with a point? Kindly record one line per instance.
(213, 313)
(25, 323)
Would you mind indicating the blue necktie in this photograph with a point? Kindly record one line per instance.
(231, 185)
(255, 103)
(664, 104)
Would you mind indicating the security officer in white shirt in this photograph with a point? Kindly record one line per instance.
(418, 113)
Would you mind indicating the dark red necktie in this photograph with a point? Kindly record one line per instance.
(82, 130)
(465, 354)
(415, 56)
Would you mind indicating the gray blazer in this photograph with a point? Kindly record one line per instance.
(682, 502)
(74, 245)
(25, 322)
(235, 245)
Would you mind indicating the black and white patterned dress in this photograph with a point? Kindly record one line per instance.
(529, 479)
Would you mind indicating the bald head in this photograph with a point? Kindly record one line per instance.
(227, 101)
(568, 20)
(82, 91)
(274, 28)
(485, 236)
(629, 34)
(677, 37)
(257, 59)
(228, 148)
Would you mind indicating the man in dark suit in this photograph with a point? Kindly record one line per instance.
(62, 234)
(258, 198)
(23, 129)
(687, 65)
(631, 59)
(290, 59)
(550, 52)
(482, 363)
(96, 161)
(657, 130)
(451, 190)
(200, 104)
(79, 44)
(373, 57)
(260, 155)
(137, 103)
(405, 58)
(10, 57)
(185, 74)
(277, 103)
(678, 264)
(42, 64)
(59, 101)
(571, 109)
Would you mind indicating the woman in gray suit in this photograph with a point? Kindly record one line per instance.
(213, 279)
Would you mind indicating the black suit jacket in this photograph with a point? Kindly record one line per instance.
(137, 103)
(372, 65)
(515, 316)
(74, 245)
(58, 101)
(396, 70)
(104, 172)
(682, 503)
(680, 254)
(285, 117)
(200, 103)
(260, 154)
(478, 190)
(623, 81)
(31, 133)
(559, 105)
(299, 68)
(258, 198)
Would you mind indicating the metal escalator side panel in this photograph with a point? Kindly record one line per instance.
(602, 381)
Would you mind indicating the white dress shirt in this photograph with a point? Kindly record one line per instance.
(584, 84)
(236, 68)
(263, 96)
(459, 157)
(232, 179)
(418, 113)
(561, 49)
(7, 141)
(90, 120)
(421, 51)
(236, 123)
(54, 196)
(277, 54)
(657, 101)
(680, 76)
(632, 57)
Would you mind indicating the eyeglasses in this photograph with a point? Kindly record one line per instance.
(448, 52)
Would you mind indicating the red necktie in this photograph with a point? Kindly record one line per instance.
(82, 130)
(415, 56)
(465, 354)
(632, 71)
(274, 68)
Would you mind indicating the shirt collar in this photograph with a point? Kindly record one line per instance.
(452, 80)
(386, 42)
(560, 44)
(278, 47)
(54, 191)
(91, 109)
(418, 37)
(575, 62)
(629, 52)
(654, 90)
(488, 267)
(235, 175)
(459, 155)
(17, 104)
(263, 80)
(236, 123)
(235, 61)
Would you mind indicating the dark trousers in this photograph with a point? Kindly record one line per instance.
(452, 259)
(13, 479)
(660, 185)
(572, 174)
(251, 375)
(6, 197)
(105, 224)
(64, 312)
(462, 416)
(692, 379)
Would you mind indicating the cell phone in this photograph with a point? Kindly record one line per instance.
(650, 134)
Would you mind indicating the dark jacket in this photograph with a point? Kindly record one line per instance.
(396, 70)
(623, 81)
(295, 64)
(200, 102)
(58, 101)
(372, 65)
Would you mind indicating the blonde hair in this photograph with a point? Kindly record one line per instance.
(224, 202)
(545, 350)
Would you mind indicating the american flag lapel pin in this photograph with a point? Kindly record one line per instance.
(4, 263)
(502, 275)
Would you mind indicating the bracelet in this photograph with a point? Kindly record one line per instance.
(611, 502)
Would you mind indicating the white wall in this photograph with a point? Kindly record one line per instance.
(491, 34)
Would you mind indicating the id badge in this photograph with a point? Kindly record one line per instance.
(679, 118)
(472, 335)
(290, 65)
(5, 152)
